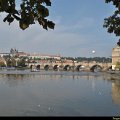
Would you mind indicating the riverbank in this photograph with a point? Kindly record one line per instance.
(51, 72)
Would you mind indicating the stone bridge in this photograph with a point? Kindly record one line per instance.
(76, 66)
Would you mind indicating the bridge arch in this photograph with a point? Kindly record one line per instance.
(31, 66)
(56, 67)
(109, 68)
(96, 67)
(79, 67)
(38, 67)
(67, 67)
(46, 67)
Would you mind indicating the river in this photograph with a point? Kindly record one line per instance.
(59, 93)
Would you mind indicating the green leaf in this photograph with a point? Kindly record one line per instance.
(51, 24)
(23, 25)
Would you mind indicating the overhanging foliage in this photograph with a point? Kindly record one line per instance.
(29, 12)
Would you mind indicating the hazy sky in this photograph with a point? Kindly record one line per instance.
(78, 31)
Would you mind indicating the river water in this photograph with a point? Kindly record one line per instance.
(50, 93)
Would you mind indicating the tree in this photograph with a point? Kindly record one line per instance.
(21, 63)
(11, 62)
(29, 12)
(2, 64)
(112, 23)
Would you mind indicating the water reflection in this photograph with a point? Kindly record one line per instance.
(14, 80)
(59, 93)
(116, 92)
(17, 79)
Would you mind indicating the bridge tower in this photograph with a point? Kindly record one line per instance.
(115, 56)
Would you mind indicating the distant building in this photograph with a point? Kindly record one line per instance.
(22, 54)
(16, 53)
(43, 56)
(115, 56)
(4, 54)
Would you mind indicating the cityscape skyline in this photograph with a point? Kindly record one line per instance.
(24, 53)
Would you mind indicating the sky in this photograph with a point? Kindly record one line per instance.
(78, 31)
